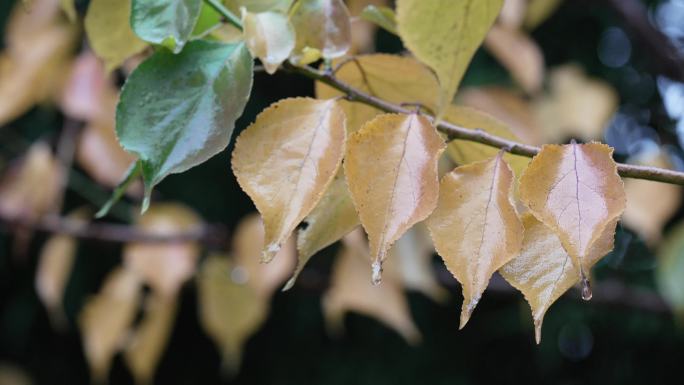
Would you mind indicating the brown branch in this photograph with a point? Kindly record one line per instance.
(480, 136)
(212, 236)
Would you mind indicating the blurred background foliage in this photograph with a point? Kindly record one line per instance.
(629, 333)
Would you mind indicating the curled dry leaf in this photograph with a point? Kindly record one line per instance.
(351, 290)
(475, 227)
(55, 262)
(396, 79)
(445, 35)
(644, 214)
(519, 54)
(106, 318)
(575, 190)
(107, 25)
(333, 217)
(31, 188)
(391, 170)
(543, 271)
(576, 106)
(230, 311)
(147, 343)
(323, 25)
(465, 152)
(286, 159)
(269, 36)
(164, 266)
(248, 244)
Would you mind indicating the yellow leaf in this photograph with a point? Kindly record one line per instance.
(333, 217)
(412, 256)
(106, 318)
(286, 159)
(164, 266)
(575, 190)
(351, 290)
(644, 214)
(269, 36)
(248, 243)
(391, 170)
(323, 25)
(229, 311)
(475, 227)
(55, 262)
(543, 271)
(576, 106)
(519, 54)
(465, 152)
(109, 31)
(31, 189)
(397, 79)
(69, 8)
(39, 44)
(147, 344)
(444, 34)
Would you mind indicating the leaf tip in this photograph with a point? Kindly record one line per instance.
(467, 311)
(376, 273)
(289, 284)
(537, 330)
(269, 252)
(586, 288)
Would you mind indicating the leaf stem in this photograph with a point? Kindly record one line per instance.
(225, 12)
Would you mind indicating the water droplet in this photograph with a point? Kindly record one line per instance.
(586, 289)
(377, 273)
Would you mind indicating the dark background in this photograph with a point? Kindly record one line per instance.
(582, 342)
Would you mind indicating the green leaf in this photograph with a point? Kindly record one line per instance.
(167, 22)
(281, 6)
(177, 111)
(444, 34)
(208, 19)
(382, 16)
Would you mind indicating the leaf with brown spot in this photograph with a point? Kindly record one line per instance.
(164, 266)
(391, 170)
(575, 190)
(285, 161)
(475, 227)
(543, 271)
(330, 220)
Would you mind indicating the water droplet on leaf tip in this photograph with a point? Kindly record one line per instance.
(376, 278)
(586, 289)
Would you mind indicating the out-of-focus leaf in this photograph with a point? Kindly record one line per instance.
(333, 217)
(109, 31)
(351, 290)
(177, 111)
(269, 36)
(651, 204)
(32, 188)
(538, 11)
(69, 8)
(512, 13)
(164, 266)
(394, 78)
(475, 227)
(38, 47)
(323, 25)
(286, 159)
(519, 54)
(55, 262)
(248, 244)
(576, 106)
(445, 35)
(281, 6)
(670, 269)
(412, 255)
(209, 20)
(106, 318)
(543, 270)
(145, 347)
(382, 16)
(166, 22)
(12, 375)
(363, 31)
(391, 170)
(230, 311)
(88, 94)
(465, 152)
(575, 190)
